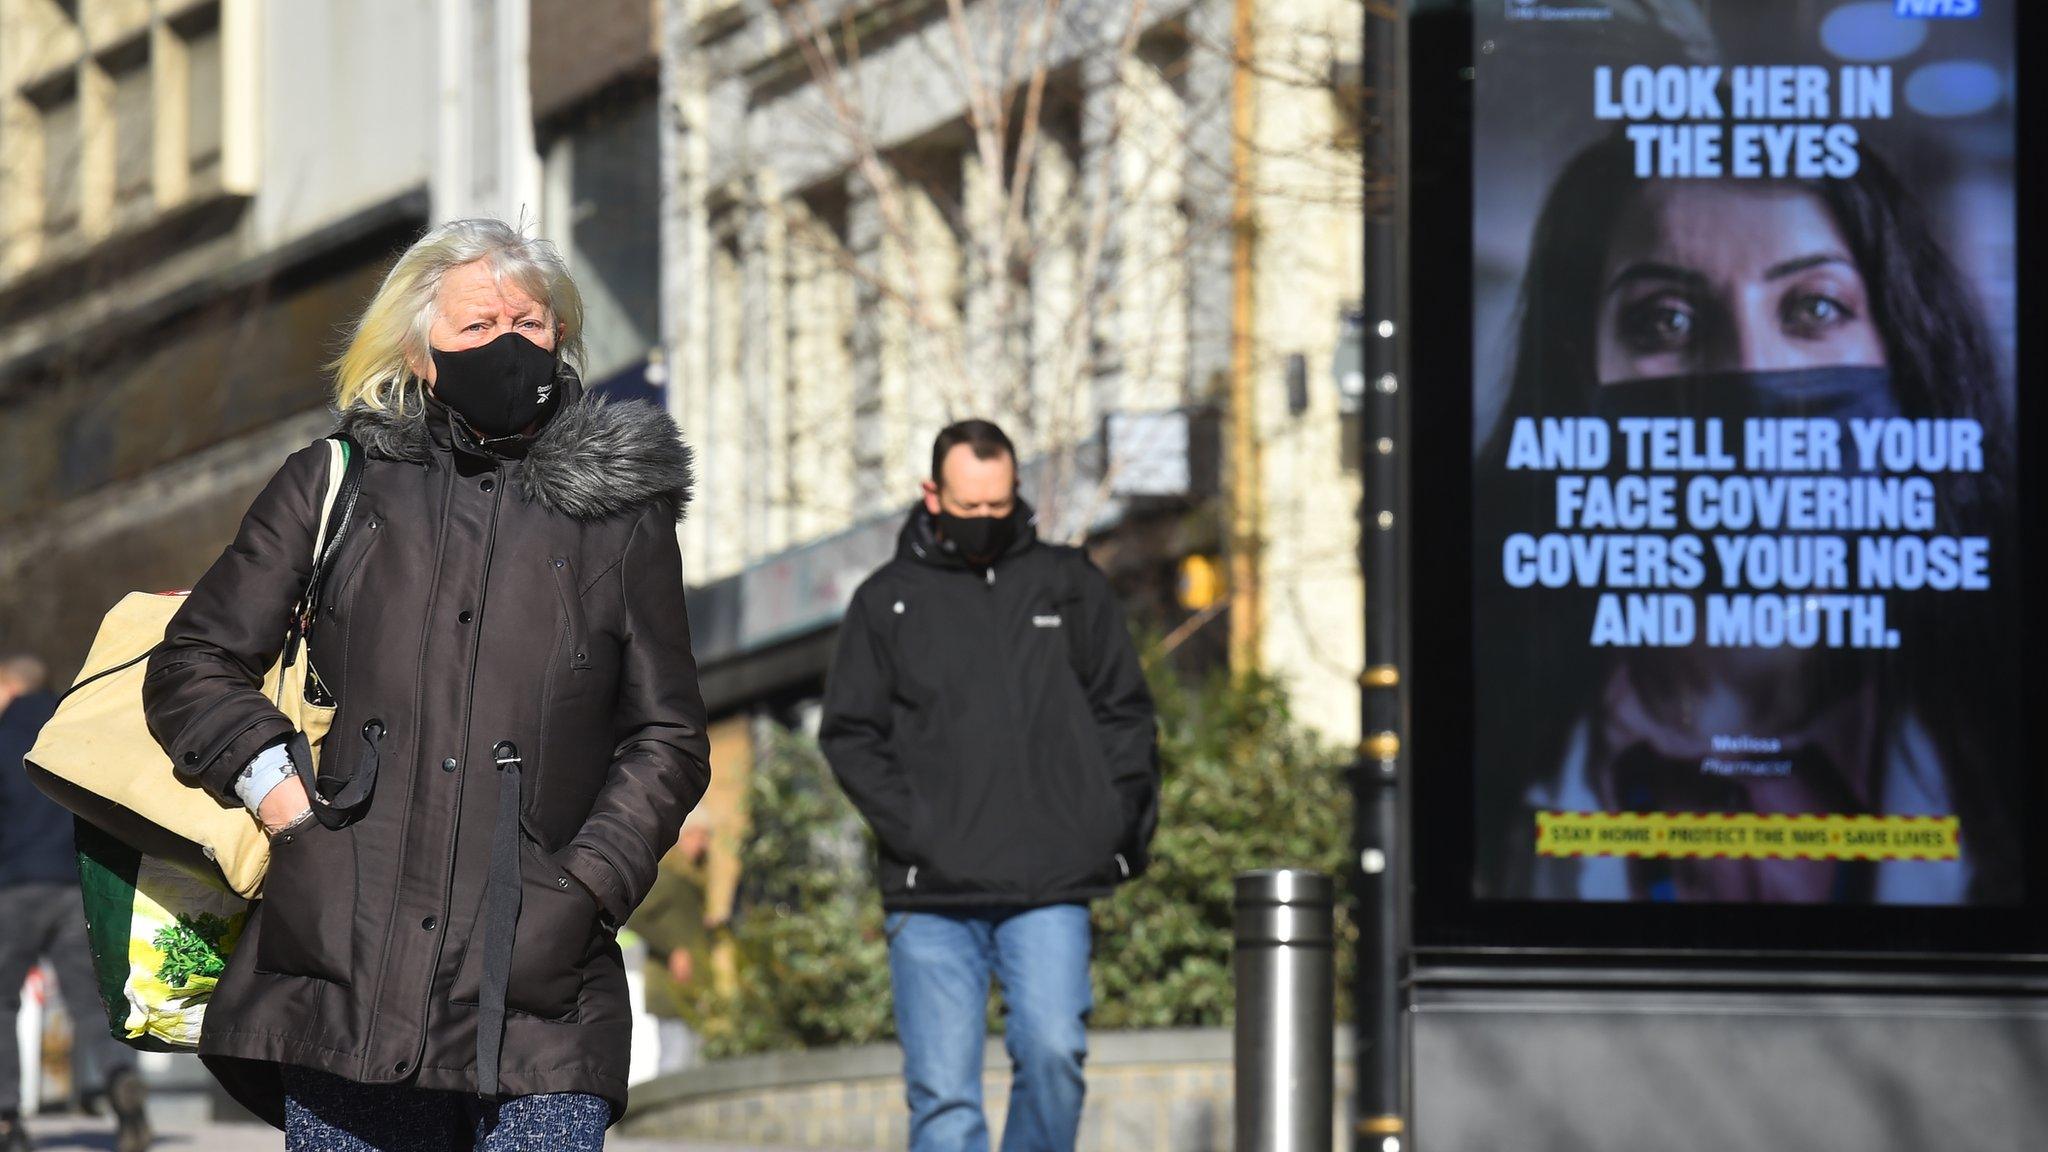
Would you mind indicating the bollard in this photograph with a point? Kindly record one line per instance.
(1286, 1017)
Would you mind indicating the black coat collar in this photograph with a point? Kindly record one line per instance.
(593, 460)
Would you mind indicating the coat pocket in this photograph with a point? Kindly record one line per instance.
(576, 630)
(309, 904)
(347, 576)
(1079, 820)
(557, 925)
(327, 643)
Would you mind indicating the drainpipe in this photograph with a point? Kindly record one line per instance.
(1245, 607)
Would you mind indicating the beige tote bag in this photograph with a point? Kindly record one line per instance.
(97, 757)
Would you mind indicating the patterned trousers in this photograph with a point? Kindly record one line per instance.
(326, 1113)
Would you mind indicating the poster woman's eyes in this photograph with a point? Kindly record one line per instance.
(1724, 277)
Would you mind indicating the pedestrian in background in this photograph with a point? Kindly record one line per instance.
(43, 915)
(987, 714)
(672, 922)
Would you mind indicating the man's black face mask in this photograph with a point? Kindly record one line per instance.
(501, 387)
(977, 539)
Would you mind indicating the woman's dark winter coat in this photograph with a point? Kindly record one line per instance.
(530, 595)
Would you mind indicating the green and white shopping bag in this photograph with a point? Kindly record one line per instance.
(161, 936)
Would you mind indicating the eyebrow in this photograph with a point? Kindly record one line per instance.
(1651, 270)
(480, 310)
(1803, 263)
(1654, 271)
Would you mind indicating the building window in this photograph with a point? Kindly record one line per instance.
(57, 122)
(613, 206)
(134, 124)
(199, 34)
(122, 119)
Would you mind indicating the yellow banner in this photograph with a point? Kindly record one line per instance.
(1747, 835)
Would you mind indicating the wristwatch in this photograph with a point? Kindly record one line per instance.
(294, 822)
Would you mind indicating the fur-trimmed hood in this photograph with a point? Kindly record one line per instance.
(595, 458)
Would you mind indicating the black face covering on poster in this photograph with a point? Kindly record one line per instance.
(1838, 393)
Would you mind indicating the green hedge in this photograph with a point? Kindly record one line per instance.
(1244, 786)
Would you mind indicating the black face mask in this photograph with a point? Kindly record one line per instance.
(977, 539)
(501, 387)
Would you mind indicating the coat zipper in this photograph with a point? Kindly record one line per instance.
(469, 694)
(1002, 660)
(910, 879)
(405, 822)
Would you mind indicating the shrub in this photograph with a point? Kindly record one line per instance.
(813, 963)
(1244, 786)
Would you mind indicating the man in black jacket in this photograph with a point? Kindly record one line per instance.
(44, 917)
(987, 714)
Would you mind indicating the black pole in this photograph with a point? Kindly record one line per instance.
(1380, 868)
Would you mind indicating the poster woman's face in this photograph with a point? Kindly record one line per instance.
(1718, 277)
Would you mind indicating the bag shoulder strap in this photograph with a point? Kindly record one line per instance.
(337, 466)
(337, 510)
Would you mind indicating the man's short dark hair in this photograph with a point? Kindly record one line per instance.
(982, 437)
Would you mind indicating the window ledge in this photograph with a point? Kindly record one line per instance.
(77, 265)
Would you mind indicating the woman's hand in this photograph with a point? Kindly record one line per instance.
(680, 966)
(283, 806)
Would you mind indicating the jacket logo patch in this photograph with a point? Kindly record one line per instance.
(1050, 620)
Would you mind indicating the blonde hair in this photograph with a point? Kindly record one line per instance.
(391, 334)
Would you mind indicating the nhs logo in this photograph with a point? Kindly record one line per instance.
(1937, 9)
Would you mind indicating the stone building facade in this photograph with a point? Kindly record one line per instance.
(197, 196)
(1178, 246)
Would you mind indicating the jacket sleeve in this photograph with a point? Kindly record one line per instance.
(856, 729)
(1114, 680)
(661, 763)
(202, 695)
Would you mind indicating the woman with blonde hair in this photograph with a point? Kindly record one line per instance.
(517, 725)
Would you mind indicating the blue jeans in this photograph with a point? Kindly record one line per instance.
(940, 964)
(327, 1113)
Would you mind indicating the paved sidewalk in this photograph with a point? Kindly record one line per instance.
(68, 1134)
